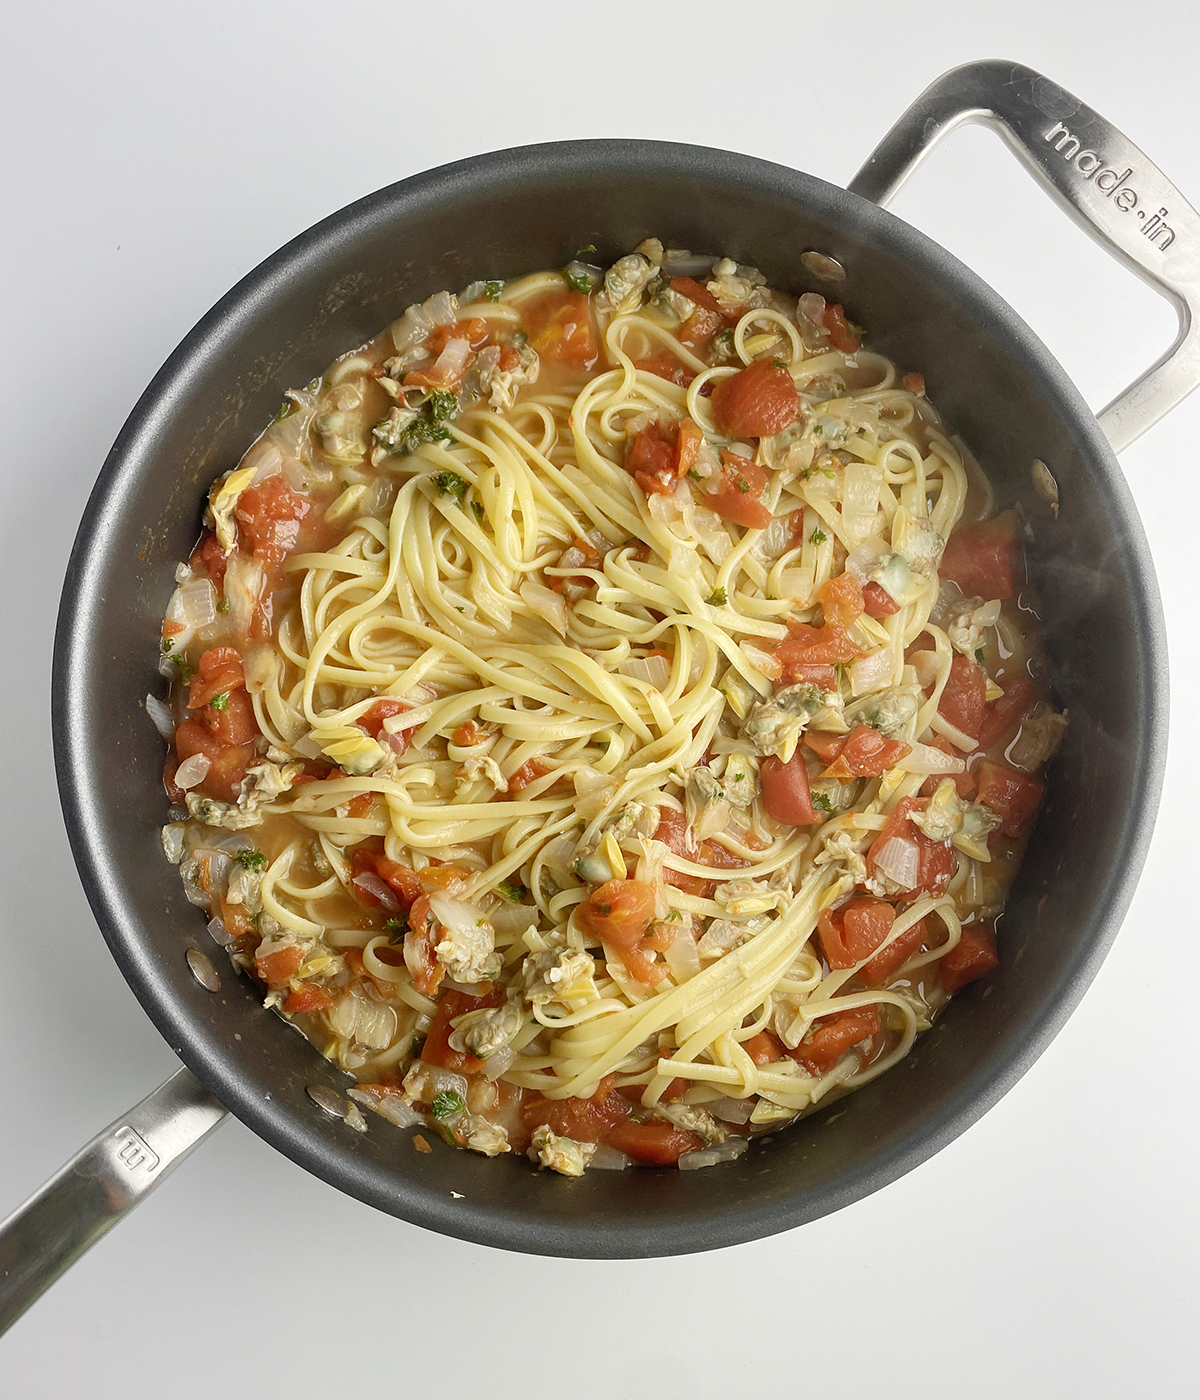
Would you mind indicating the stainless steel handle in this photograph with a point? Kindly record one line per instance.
(42, 1239)
(1098, 176)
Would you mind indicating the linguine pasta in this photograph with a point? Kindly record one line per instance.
(582, 726)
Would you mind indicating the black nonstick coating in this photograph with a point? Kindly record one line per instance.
(498, 216)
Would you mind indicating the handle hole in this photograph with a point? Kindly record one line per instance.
(1103, 323)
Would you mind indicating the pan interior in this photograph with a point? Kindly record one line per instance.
(499, 216)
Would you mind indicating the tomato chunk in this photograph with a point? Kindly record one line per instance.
(734, 494)
(758, 401)
(420, 943)
(474, 331)
(218, 670)
(877, 601)
(1004, 713)
(230, 716)
(824, 646)
(864, 753)
(764, 1048)
(829, 1039)
(584, 1120)
(270, 516)
(209, 558)
(883, 966)
(307, 999)
(853, 932)
(964, 698)
(973, 956)
(1011, 795)
(982, 559)
(528, 772)
(653, 1144)
(661, 452)
(841, 336)
(936, 859)
(666, 367)
(842, 601)
(278, 968)
(451, 1005)
(620, 914)
(786, 792)
(697, 292)
(559, 325)
(227, 764)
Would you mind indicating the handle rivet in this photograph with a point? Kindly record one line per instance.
(203, 970)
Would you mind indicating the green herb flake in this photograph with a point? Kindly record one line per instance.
(778, 364)
(477, 510)
(251, 860)
(168, 645)
(743, 486)
(694, 475)
(284, 409)
(492, 290)
(718, 598)
(512, 890)
(184, 670)
(343, 485)
(587, 248)
(577, 281)
(818, 536)
(451, 484)
(979, 656)
(821, 802)
(448, 1104)
(220, 702)
(396, 927)
(223, 605)
(443, 404)
(855, 329)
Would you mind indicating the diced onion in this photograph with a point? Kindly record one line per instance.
(192, 771)
(219, 933)
(197, 602)
(860, 500)
(608, 1159)
(777, 538)
(926, 759)
(899, 858)
(871, 671)
(514, 918)
(162, 718)
(368, 1023)
(443, 1081)
(766, 663)
(654, 670)
(547, 604)
(730, 1110)
(371, 884)
(389, 1106)
(728, 1151)
(497, 1062)
(682, 957)
(863, 560)
(172, 842)
(266, 459)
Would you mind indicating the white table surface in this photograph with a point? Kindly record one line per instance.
(152, 154)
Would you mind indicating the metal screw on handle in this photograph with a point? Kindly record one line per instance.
(1106, 184)
(99, 1186)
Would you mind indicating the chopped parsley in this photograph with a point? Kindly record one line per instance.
(821, 802)
(818, 536)
(816, 471)
(855, 328)
(512, 890)
(442, 404)
(743, 486)
(220, 702)
(694, 475)
(397, 927)
(411, 435)
(451, 484)
(477, 509)
(577, 281)
(448, 1104)
(223, 605)
(587, 248)
(168, 645)
(979, 655)
(778, 363)
(343, 485)
(718, 598)
(284, 409)
(184, 669)
(251, 860)
(492, 290)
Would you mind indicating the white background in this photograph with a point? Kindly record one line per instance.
(153, 154)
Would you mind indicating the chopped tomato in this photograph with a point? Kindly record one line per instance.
(828, 1039)
(404, 882)
(885, 965)
(758, 401)
(371, 722)
(451, 1005)
(588, 557)
(877, 601)
(700, 327)
(474, 331)
(840, 334)
(937, 861)
(467, 735)
(209, 558)
(360, 804)
(914, 383)
(650, 458)
(219, 670)
(824, 744)
(786, 792)
(231, 718)
(419, 944)
(621, 915)
(853, 932)
(1004, 713)
(764, 1048)
(865, 753)
(734, 494)
(841, 600)
(666, 367)
(697, 292)
(823, 646)
(584, 1120)
(814, 673)
(964, 698)
(982, 559)
(973, 956)
(270, 516)
(1011, 795)
(226, 764)
(691, 439)
(528, 773)
(559, 326)
(277, 969)
(672, 832)
(653, 1144)
(964, 782)
(307, 999)
(714, 854)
